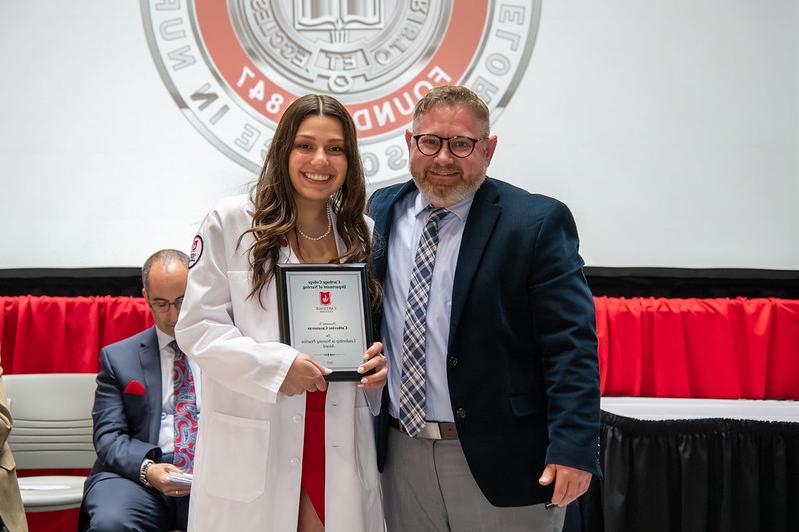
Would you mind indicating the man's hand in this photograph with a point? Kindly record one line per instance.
(374, 360)
(158, 476)
(304, 375)
(570, 482)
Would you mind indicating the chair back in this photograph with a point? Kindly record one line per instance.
(52, 415)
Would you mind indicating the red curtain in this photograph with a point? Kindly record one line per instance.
(701, 348)
(63, 335)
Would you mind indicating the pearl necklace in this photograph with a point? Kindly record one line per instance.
(329, 227)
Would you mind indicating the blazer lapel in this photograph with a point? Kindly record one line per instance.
(151, 368)
(480, 224)
(383, 215)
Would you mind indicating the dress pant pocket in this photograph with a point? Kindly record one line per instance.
(236, 456)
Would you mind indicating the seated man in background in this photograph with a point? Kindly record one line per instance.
(145, 416)
(12, 514)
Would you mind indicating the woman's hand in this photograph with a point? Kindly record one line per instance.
(374, 360)
(304, 375)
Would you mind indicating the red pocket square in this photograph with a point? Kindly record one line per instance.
(134, 387)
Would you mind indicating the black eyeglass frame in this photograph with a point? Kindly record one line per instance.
(449, 146)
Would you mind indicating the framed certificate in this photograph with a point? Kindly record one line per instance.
(324, 312)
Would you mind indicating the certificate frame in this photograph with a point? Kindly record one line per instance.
(318, 327)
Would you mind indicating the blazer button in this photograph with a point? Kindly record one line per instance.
(461, 413)
(453, 361)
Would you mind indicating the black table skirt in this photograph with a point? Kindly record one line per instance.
(701, 475)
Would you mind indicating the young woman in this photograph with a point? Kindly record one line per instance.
(279, 449)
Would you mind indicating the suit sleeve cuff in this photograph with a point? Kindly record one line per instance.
(578, 459)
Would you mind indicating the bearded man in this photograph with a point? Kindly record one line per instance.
(491, 415)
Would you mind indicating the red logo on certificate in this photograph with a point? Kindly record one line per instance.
(324, 298)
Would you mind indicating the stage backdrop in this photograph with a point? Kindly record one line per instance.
(668, 126)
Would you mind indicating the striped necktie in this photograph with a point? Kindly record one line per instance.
(412, 387)
(185, 418)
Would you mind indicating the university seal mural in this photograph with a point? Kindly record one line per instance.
(232, 66)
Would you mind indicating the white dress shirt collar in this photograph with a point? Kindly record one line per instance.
(163, 340)
(460, 209)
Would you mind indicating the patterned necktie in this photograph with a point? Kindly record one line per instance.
(412, 387)
(185, 418)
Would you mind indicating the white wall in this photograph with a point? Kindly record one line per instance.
(668, 126)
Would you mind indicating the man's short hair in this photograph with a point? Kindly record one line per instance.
(164, 256)
(453, 95)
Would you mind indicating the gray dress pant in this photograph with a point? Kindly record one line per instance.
(427, 487)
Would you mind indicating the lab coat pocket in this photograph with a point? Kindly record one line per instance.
(239, 449)
(365, 453)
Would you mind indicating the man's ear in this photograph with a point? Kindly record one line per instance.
(144, 294)
(491, 145)
(408, 139)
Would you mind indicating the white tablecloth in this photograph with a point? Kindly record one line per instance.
(658, 408)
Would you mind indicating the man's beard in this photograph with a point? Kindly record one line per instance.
(447, 195)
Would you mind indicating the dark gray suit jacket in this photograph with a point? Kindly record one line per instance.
(126, 425)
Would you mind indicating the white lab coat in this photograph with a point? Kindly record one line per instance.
(248, 457)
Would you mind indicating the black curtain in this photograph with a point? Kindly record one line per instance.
(692, 282)
(611, 282)
(703, 475)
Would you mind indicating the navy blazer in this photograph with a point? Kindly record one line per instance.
(522, 354)
(126, 425)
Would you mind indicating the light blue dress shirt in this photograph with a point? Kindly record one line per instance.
(408, 221)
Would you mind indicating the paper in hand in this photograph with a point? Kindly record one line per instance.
(180, 478)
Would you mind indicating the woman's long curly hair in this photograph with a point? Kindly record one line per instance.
(273, 197)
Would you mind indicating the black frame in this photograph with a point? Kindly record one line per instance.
(282, 302)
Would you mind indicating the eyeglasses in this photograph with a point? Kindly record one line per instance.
(162, 305)
(460, 147)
